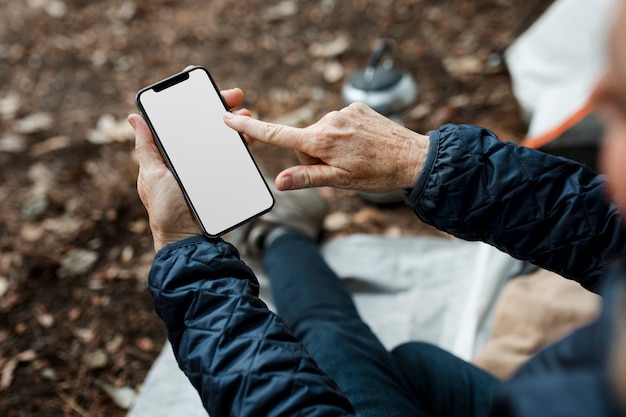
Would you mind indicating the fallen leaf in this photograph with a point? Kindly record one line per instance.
(421, 110)
(44, 318)
(49, 373)
(336, 221)
(459, 101)
(465, 65)
(11, 143)
(123, 397)
(9, 105)
(34, 208)
(9, 301)
(393, 231)
(330, 49)
(34, 123)
(280, 11)
(7, 374)
(31, 232)
(138, 227)
(27, 356)
(125, 12)
(74, 314)
(42, 176)
(97, 360)
(109, 130)
(63, 226)
(8, 370)
(20, 328)
(4, 286)
(333, 72)
(297, 118)
(366, 215)
(85, 335)
(145, 344)
(113, 346)
(50, 145)
(128, 254)
(56, 9)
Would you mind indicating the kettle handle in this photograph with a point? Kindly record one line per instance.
(383, 49)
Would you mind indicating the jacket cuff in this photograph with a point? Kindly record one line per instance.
(412, 195)
(190, 241)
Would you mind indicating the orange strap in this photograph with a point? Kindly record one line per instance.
(549, 136)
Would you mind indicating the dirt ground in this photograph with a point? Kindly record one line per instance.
(77, 328)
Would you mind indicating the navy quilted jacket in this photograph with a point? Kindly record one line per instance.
(553, 212)
(241, 358)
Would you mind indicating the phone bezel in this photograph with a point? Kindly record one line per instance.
(172, 81)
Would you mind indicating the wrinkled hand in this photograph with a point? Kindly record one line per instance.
(353, 148)
(168, 213)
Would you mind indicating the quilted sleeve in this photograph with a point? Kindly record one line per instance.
(240, 357)
(548, 210)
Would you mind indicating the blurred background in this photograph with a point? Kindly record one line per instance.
(77, 328)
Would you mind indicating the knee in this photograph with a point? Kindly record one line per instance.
(418, 350)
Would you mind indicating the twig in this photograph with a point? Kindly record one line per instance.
(71, 403)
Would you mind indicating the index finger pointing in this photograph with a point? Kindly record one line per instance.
(270, 133)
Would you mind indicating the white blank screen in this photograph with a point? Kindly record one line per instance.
(210, 159)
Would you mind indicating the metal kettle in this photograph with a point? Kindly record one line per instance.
(386, 89)
(380, 85)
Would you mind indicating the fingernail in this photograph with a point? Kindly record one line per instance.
(287, 183)
(132, 123)
(229, 116)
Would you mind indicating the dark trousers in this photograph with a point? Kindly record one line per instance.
(415, 379)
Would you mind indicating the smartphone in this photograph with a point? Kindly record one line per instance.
(220, 180)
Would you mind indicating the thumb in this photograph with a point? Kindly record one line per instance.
(146, 150)
(309, 176)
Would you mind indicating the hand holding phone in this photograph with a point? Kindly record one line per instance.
(170, 218)
(218, 177)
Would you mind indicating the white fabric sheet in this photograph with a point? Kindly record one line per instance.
(556, 63)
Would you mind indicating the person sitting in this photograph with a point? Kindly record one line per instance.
(317, 357)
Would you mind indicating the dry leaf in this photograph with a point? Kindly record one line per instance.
(280, 11)
(123, 397)
(77, 262)
(34, 123)
(333, 72)
(109, 130)
(6, 378)
(336, 221)
(97, 360)
(63, 226)
(331, 49)
(128, 254)
(145, 344)
(300, 117)
(9, 106)
(465, 65)
(85, 335)
(138, 227)
(4, 286)
(56, 9)
(11, 143)
(7, 374)
(46, 320)
(113, 346)
(74, 314)
(50, 145)
(31, 232)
